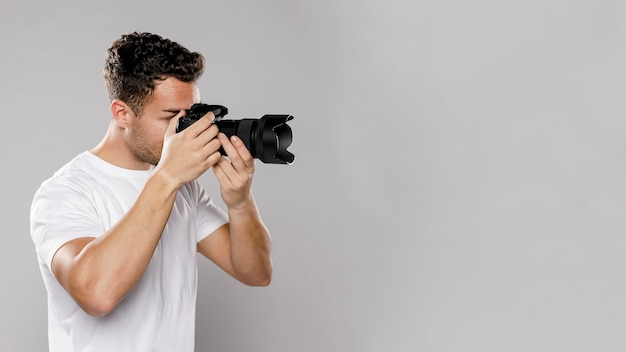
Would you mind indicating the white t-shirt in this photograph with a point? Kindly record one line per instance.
(87, 197)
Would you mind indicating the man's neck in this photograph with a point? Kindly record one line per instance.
(114, 150)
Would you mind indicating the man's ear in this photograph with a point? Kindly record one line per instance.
(121, 113)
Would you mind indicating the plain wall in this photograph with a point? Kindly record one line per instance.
(459, 182)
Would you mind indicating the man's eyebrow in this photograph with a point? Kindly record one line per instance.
(173, 111)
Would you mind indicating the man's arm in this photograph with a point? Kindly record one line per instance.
(241, 247)
(99, 272)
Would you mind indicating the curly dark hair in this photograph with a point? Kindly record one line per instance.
(135, 61)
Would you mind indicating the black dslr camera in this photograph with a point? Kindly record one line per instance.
(266, 138)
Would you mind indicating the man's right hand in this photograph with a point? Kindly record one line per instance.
(188, 154)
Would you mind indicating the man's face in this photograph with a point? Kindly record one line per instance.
(169, 98)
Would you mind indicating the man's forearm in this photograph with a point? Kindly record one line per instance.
(250, 245)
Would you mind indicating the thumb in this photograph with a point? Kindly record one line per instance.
(171, 128)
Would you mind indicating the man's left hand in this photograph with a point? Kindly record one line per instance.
(235, 176)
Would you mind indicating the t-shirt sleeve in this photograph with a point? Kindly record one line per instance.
(209, 217)
(59, 214)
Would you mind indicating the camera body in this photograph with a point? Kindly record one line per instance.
(267, 138)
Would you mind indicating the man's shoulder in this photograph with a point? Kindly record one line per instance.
(76, 174)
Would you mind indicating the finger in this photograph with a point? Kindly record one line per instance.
(213, 146)
(243, 151)
(228, 146)
(227, 169)
(171, 127)
(221, 176)
(213, 158)
(237, 152)
(207, 136)
(200, 125)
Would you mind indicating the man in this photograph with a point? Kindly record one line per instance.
(117, 229)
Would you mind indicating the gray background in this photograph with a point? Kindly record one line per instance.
(459, 182)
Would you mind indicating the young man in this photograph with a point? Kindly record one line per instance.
(117, 229)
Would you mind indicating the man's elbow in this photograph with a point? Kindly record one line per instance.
(264, 281)
(259, 279)
(97, 310)
(96, 307)
(93, 302)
